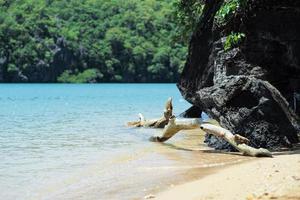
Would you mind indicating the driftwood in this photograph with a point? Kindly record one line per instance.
(174, 126)
(237, 141)
(155, 123)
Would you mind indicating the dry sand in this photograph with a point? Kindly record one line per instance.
(260, 178)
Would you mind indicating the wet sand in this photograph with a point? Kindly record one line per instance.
(260, 178)
(147, 170)
(183, 168)
(192, 159)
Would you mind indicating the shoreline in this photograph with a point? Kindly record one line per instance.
(191, 175)
(143, 170)
(260, 178)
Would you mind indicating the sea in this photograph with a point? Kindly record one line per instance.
(70, 141)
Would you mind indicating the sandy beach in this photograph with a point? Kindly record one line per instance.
(260, 178)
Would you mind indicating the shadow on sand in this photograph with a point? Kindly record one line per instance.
(294, 150)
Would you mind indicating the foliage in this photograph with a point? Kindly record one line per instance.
(232, 40)
(187, 15)
(228, 9)
(87, 76)
(119, 40)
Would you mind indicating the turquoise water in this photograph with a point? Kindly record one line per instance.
(70, 141)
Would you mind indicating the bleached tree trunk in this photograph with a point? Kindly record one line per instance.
(174, 126)
(237, 141)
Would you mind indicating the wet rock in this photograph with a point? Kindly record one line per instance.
(251, 89)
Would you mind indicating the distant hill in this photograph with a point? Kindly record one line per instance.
(89, 41)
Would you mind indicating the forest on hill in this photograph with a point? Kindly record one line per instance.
(90, 41)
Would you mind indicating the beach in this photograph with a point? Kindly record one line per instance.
(71, 146)
(259, 178)
(163, 100)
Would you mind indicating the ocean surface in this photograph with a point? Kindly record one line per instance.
(70, 141)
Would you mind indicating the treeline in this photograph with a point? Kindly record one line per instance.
(89, 41)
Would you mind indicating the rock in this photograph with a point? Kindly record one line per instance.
(192, 112)
(252, 89)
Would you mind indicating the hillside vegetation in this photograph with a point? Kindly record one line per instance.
(89, 41)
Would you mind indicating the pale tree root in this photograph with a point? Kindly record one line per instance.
(155, 123)
(237, 141)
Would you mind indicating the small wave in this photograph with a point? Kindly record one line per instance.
(184, 167)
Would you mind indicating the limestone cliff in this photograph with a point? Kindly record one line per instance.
(252, 88)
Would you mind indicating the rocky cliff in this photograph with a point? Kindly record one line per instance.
(251, 88)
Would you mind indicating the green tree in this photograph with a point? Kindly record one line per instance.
(90, 40)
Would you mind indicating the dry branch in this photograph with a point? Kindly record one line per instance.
(174, 126)
(155, 123)
(237, 141)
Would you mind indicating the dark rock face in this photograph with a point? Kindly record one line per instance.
(251, 89)
(192, 112)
